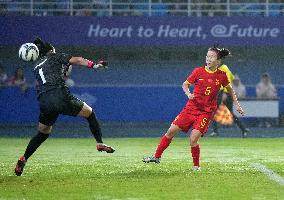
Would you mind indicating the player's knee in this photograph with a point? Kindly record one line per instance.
(193, 141)
(172, 131)
(44, 129)
(86, 111)
(170, 134)
(194, 137)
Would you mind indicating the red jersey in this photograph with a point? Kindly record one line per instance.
(206, 87)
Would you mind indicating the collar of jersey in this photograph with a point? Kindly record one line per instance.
(211, 72)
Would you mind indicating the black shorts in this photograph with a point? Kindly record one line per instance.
(55, 102)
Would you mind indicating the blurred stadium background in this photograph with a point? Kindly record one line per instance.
(151, 45)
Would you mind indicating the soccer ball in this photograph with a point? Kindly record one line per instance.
(28, 52)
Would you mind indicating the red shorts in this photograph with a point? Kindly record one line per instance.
(192, 118)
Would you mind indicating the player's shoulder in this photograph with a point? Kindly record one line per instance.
(39, 62)
(199, 69)
(60, 56)
(56, 55)
(223, 67)
(219, 71)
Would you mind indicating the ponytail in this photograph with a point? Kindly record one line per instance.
(221, 53)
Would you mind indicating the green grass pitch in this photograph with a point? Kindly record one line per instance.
(73, 169)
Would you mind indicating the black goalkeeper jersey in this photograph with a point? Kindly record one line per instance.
(49, 72)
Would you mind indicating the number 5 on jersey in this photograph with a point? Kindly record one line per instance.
(207, 91)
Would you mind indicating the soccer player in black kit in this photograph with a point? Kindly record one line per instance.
(55, 98)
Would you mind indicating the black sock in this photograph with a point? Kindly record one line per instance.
(34, 143)
(215, 126)
(239, 123)
(95, 127)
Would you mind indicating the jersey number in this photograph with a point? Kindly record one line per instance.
(42, 76)
(203, 122)
(207, 91)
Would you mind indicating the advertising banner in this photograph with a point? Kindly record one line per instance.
(144, 31)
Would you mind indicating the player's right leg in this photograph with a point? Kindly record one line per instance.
(195, 148)
(35, 142)
(229, 103)
(95, 128)
(164, 143)
(181, 123)
(244, 130)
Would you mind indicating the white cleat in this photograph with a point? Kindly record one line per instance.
(149, 159)
(213, 134)
(196, 168)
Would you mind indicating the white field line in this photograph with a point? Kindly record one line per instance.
(272, 175)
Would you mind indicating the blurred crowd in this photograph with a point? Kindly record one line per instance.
(265, 89)
(18, 79)
(143, 7)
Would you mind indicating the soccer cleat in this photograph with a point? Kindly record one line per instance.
(149, 159)
(245, 133)
(213, 134)
(20, 166)
(104, 147)
(196, 168)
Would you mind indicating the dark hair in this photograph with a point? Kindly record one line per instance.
(43, 47)
(265, 75)
(16, 73)
(221, 53)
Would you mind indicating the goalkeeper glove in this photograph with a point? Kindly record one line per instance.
(100, 64)
(97, 65)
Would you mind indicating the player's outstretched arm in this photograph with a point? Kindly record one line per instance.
(185, 87)
(88, 63)
(235, 99)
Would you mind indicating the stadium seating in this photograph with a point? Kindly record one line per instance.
(142, 8)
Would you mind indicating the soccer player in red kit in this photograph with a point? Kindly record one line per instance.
(201, 105)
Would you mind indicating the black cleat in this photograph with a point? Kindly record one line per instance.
(20, 166)
(213, 134)
(245, 133)
(149, 159)
(103, 147)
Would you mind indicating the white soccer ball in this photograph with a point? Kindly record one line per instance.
(28, 52)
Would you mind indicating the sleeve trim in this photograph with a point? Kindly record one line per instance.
(227, 85)
(187, 82)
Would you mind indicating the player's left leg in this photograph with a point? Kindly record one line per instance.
(195, 148)
(200, 127)
(95, 128)
(35, 142)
